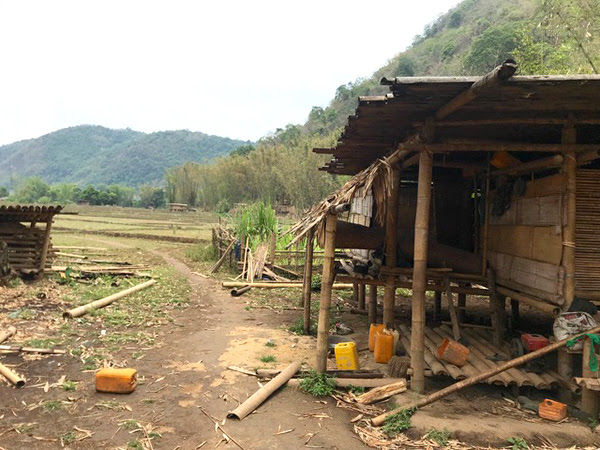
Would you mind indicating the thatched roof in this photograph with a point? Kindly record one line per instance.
(376, 177)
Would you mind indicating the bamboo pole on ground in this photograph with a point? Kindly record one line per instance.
(391, 248)
(420, 272)
(358, 382)
(5, 335)
(307, 281)
(11, 376)
(379, 420)
(82, 310)
(264, 392)
(277, 284)
(569, 136)
(372, 303)
(326, 288)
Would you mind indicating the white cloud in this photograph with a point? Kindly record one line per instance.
(238, 69)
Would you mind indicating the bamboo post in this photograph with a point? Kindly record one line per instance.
(355, 293)
(515, 313)
(372, 303)
(82, 310)
(589, 398)
(45, 247)
(569, 137)
(391, 248)
(420, 272)
(326, 288)
(361, 296)
(272, 247)
(307, 282)
(497, 309)
(379, 420)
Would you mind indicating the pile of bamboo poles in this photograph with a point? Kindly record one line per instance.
(481, 347)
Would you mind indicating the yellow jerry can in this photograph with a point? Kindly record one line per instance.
(346, 356)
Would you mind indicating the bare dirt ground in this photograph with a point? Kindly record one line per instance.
(186, 374)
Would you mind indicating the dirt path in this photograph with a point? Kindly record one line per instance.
(188, 371)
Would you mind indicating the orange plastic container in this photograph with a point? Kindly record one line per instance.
(453, 352)
(384, 346)
(116, 381)
(552, 410)
(373, 330)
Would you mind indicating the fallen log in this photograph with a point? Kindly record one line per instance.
(82, 310)
(264, 392)
(276, 285)
(381, 393)
(5, 335)
(18, 349)
(379, 420)
(357, 382)
(11, 376)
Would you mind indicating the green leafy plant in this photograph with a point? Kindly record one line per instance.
(317, 384)
(52, 405)
(298, 327)
(440, 437)
(69, 386)
(592, 422)
(397, 423)
(316, 282)
(357, 390)
(267, 358)
(270, 344)
(518, 443)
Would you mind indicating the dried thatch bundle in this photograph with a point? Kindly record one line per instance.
(377, 177)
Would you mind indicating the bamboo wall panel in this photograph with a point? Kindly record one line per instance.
(587, 232)
(537, 278)
(24, 245)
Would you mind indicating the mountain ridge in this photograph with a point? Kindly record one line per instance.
(93, 154)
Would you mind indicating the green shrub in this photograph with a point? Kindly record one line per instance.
(317, 384)
(397, 423)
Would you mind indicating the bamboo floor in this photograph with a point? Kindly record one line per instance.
(481, 347)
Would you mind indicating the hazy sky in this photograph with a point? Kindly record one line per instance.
(232, 68)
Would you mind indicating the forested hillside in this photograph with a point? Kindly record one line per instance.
(96, 155)
(544, 36)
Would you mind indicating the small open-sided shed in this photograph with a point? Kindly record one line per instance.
(484, 186)
(26, 232)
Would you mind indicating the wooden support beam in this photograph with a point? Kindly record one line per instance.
(589, 398)
(420, 272)
(497, 309)
(45, 247)
(491, 80)
(307, 281)
(391, 248)
(486, 224)
(326, 289)
(569, 138)
(462, 305)
(452, 308)
(372, 303)
(361, 296)
(437, 306)
(499, 146)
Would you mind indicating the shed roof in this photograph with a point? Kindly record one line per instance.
(27, 213)
(521, 109)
